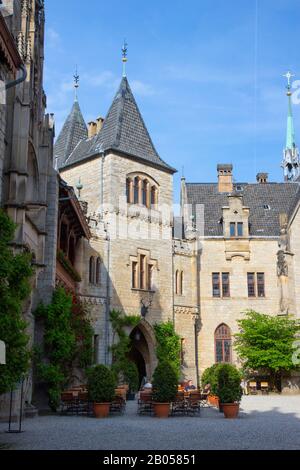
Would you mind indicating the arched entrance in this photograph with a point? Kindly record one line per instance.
(142, 351)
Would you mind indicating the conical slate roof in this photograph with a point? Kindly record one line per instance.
(124, 131)
(73, 131)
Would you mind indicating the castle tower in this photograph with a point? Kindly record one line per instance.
(74, 130)
(291, 162)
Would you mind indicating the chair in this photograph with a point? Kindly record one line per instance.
(69, 403)
(194, 403)
(179, 405)
(84, 406)
(253, 388)
(118, 405)
(145, 404)
(264, 386)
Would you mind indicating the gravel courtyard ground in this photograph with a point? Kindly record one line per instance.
(266, 422)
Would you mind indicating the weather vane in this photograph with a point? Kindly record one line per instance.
(76, 82)
(124, 57)
(288, 76)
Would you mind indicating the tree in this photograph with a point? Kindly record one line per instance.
(15, 273)
(265, 343)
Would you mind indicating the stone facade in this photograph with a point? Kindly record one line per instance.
(29, 179)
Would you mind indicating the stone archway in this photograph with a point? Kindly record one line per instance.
(142, 352)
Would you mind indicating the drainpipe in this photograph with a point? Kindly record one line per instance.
(14, 83)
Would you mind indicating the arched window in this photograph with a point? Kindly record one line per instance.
(181, 283)
(223, 344)
(153, 196)
(128, 190)
(136, 190)
(144, 192)
(98, 271)
(92, 270)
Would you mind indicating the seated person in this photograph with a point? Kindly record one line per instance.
(207, 389)
(189, 387)
(148, 385)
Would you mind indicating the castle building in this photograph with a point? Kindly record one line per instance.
(234, 247)
(29, 183)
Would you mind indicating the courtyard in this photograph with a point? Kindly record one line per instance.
(265, 423)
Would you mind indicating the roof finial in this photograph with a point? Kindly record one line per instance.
(124, 57)
(289, 75)
(76, 83)
(291, 160)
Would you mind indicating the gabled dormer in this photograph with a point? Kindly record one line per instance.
(236, 227)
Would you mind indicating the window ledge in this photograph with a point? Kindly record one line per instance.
(143, 290)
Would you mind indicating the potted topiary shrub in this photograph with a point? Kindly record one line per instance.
(131, 377)
(229, 390)
(101, 388)
(165, 387)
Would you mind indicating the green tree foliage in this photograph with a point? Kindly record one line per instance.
(15, 274)
(121, 348)
(165, 383)
(209, 376)
(265, 343)
(168, 344)
(101, 384)
(67, 342)
(131, 376)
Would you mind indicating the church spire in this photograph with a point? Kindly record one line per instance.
(291, 161)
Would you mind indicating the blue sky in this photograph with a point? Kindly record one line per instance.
(207, 76)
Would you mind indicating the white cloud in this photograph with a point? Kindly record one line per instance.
(52, 37)
(141, 88)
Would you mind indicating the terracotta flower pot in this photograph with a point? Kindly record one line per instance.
(162, 410)
(101, 410)
(231, 410)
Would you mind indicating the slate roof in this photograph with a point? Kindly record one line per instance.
(73, 131)
(124, 131)
(280, 197)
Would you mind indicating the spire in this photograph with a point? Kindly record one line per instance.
(74, 130)
(291, 161)
(124, 57)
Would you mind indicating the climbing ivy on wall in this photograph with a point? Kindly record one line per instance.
(121, 348)
(67, 342)
(15, 274)
(168, 344)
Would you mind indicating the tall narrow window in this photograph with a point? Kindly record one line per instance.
(92, 271)
(261, 285)
(177, 283)
(225, 285)
(153, 196)
(216, 285)
(251, 285)
(232, 229)
(136, 190)
(240, 229)
(150, 277)
(144, 192)
(98, 271)
(143, 272)
(223, 344)
(128, 190)
(181, 283)
(135, 275)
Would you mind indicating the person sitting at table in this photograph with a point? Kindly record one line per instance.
(189, 387)
(148, 385)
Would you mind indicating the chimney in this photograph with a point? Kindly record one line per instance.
(99, 121)
(225, 178)
(262, 178)
(92, 129)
